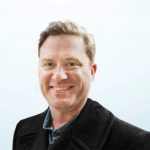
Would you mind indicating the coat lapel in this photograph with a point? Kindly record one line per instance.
(41, 142)
(88, 131)
(92, 127)
(31, 135)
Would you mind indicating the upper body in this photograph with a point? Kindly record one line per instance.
(66, 69)
(95, 128)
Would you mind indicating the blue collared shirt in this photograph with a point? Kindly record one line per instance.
(54, 134)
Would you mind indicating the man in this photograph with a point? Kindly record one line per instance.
(73, 121)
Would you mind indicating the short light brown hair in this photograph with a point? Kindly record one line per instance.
(69, 28)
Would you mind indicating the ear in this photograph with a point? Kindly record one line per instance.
(93, 70)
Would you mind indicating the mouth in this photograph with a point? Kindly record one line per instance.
(61, 88)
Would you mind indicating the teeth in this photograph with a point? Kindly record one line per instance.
(62, 88)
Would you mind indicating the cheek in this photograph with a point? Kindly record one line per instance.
(84, 79)
(44, 77)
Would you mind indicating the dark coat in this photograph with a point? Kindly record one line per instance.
(95, 128)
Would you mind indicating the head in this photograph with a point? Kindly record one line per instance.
(66, 65)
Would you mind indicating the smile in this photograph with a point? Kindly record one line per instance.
(61, 88)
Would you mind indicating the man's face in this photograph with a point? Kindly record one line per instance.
(64, 72)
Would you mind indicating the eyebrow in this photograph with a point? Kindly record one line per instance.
(72, 58)
(46, 59)
(67, 59)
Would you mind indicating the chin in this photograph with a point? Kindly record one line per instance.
(61, 103)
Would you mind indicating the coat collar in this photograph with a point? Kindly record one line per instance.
(92, 126)
(41, 142)
(88, 131)
(32, 125)
(31, 133)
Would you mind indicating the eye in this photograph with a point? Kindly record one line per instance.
(72, 65)
(48, 65)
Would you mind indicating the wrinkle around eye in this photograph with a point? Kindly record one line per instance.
(72, 67)
(47, 66)
(73, 64)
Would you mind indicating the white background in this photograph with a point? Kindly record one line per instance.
(122, 32)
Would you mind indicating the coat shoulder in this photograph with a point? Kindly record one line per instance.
(128, 136)
(30, 125)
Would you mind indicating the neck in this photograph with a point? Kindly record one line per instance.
(62, 117)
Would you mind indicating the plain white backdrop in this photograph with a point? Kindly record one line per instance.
(122, 34)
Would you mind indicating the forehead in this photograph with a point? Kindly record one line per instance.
(56, 41)
(63, 44)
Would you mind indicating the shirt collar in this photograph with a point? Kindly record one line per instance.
(48, 120)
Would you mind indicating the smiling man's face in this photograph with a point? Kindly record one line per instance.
(64, 72)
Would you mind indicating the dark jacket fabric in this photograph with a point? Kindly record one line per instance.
(95, 128)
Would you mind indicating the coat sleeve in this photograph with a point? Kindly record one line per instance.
(141, 141)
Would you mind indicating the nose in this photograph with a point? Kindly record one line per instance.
(59, 75)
